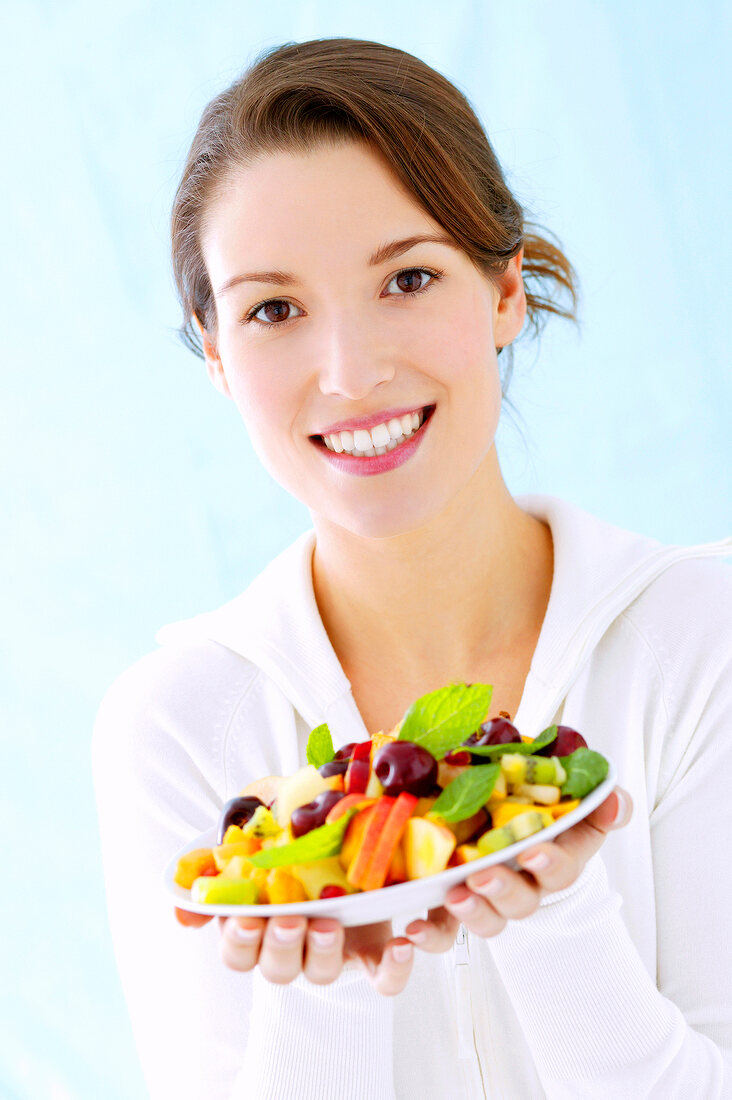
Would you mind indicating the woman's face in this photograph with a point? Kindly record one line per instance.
(324, 336)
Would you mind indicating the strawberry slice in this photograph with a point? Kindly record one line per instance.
(358, 771)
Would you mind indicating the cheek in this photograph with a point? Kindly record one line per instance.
(262, 404)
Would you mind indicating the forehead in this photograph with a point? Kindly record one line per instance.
(289, 207)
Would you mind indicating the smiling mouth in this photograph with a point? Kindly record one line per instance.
(426, 414)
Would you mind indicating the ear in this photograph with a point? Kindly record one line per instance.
(214, 366)
(510, 308)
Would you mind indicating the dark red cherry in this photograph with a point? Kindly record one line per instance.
(333, 767)
(405, 766)
(566, 741)
(345, 752)
(313, 814)
(496, 731)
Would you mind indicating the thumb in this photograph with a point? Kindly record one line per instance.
(191, 920)
(615, 812)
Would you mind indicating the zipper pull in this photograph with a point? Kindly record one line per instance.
(463, 1006)
(460, 947)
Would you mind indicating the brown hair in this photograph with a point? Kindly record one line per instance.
(303, 94)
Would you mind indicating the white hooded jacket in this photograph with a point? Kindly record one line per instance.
(618, 986)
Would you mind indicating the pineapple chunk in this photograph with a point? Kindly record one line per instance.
(427, 847)
(237, 867)
(322, 872)
(298, 790)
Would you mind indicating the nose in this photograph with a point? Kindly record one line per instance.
(352, 359)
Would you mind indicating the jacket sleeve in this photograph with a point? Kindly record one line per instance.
(189, 1013)
(202, 1029)
(597, 1023)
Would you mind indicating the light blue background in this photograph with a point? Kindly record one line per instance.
(131, 494)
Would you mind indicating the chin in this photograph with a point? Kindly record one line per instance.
(386, 522)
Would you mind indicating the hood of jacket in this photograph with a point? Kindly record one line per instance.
(599, 569)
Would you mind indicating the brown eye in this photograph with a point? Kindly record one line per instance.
(276, 311)
(410, 280)
(413, 280)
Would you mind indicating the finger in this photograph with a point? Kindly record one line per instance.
(615, 812)
(512, 894)
(241, 939)
(281, 955)
(435, 934)
(191, 920)
(552, 866)
(587, 836)
(323, 951)
(477, 914)
(390, 975)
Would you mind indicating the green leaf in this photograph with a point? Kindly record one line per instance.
(585, 770)
(319, 843)
(441, 720)
(320, 746)
(467, 793)
(528, 747)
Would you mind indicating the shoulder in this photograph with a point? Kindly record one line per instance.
(685, 615)
(182, 692)
(684, 621)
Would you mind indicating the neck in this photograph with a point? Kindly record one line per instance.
(441, 600)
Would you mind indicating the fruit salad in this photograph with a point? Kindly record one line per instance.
(446, 786)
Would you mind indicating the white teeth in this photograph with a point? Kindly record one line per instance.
(380, 435)
(380, 439)
(362, 440)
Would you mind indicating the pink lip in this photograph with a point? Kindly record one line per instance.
(378, 464)
(365, 422)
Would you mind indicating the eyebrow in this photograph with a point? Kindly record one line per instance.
(382, 255)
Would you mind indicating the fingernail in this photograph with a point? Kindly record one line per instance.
(537, 862)
(402, 952)
(466, 905)
(286, 934)
(625, 808)
(417, 937)
(490, 888)
(246, 935)
(322, 939)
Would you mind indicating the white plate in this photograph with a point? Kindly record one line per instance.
(371, 906)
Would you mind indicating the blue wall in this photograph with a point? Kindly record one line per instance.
(132, 496)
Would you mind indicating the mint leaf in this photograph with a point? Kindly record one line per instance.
(320, 746)
(467, 793)
(441, 720)
(528, 747)
(585, 770)
(319, 843)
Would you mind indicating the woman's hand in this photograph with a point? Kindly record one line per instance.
(490, 898)
(284, 947)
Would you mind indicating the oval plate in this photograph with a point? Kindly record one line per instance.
(371, 906)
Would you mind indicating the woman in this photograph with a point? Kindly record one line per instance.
(347, 252)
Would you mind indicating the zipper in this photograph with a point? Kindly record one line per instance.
(467, 1050)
